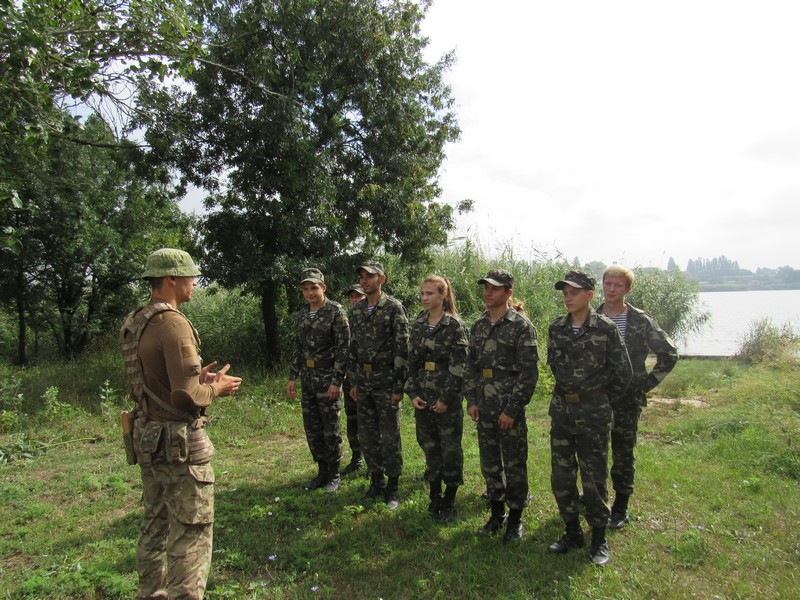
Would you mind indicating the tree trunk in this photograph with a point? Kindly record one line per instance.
(269, 298)
(21, 324)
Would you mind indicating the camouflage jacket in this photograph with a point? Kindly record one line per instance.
(643, 335)
(593, 360)
(509, 349)
(325, 338)
(437, 359)
(379, 339)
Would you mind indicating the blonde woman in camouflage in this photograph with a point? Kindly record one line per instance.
(436, 362)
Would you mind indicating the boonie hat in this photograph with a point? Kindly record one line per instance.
(169, 262)
(356, 289)
(498, 277)
(371, 267)
(576, 279)
(313, 275)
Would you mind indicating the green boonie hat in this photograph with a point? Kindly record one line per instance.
(313, 275)
(576, 279)
(498, 277)
(371, 267)
(170, 262)
(356, 289)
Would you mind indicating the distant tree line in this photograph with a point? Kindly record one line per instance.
(723, 274)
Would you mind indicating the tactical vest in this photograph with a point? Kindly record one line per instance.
(198, 446)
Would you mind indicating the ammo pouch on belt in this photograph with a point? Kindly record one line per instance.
(174, 442)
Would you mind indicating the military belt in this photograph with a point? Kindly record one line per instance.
(576, 398)
(376, 367)
(495, 373)
(429, 365)
(312, 363)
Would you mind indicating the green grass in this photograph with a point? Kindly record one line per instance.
(716, 507)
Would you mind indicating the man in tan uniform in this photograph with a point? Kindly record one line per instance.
(172, 390)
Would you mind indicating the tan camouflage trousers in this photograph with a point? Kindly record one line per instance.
(174, 549)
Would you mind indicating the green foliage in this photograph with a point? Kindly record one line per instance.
(88, 222)
(230, 325)
(11, 399)
(765, 342)
(326, 127)
(671, 299)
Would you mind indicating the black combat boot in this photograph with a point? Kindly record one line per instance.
(355, 464)
(334, 479)
(514, 529)
(435, 495)
(447, 510)
(319, 480)
(496, 521)
(601, 555)
(619, 512)
(392, 496)
(377, 486)
(572, 538)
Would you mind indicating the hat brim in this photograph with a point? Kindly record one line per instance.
(370, 270)
(312, 280)
(560, 285)
(493, 282)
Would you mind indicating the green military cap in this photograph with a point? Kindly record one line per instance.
(313, 275)
(499, 278)
(576, 279)
(371, 267)
(356, 289)
(170, 262)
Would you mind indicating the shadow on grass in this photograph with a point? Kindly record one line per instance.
(279, 536)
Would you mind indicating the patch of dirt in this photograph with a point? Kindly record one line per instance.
(696, 402)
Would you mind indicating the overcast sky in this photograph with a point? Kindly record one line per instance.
(629, 131)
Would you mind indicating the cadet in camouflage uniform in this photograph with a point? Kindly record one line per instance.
(321, 341)
(591, 367)
(377, 367)
(641, 334)
(172, 390)
(354, 295)
(437, 360)
(502, 370)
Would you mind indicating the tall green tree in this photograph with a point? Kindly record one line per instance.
(88, 218)
(56, 55)
(319, 127)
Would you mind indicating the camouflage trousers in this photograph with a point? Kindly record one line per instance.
(321, 417)
(504, 458)
(579, 439)
(624, 427)
(178, 526)
(379, 425)
(439, 436)
(351, 419)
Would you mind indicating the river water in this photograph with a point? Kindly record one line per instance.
(732, 313)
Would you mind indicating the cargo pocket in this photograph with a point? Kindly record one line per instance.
(196, 502)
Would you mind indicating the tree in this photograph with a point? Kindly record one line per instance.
(319, 128)
(87, 222)
(56, 55)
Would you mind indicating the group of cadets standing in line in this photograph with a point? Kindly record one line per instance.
(597, 358)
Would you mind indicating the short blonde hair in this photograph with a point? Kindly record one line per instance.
(620, 271)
